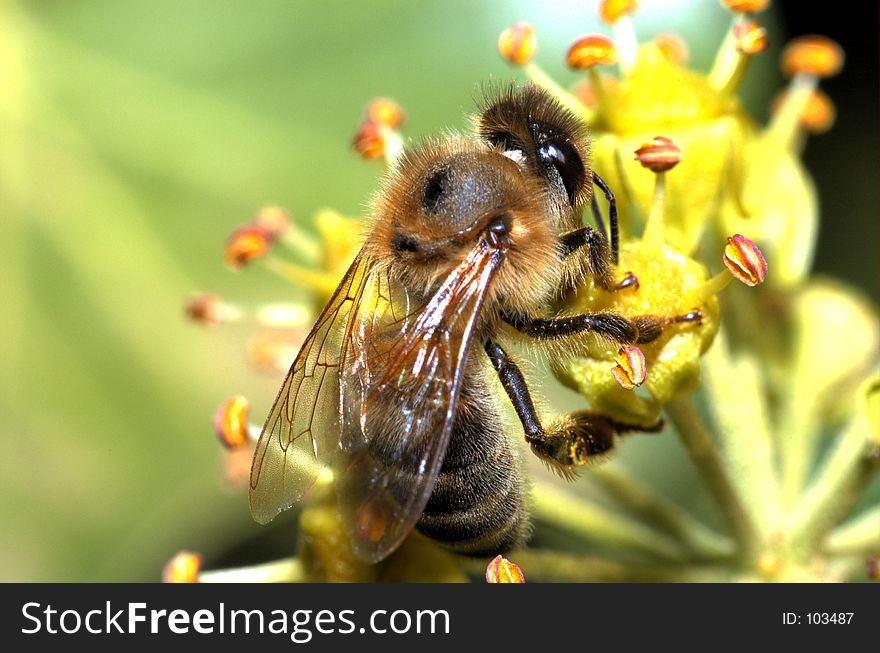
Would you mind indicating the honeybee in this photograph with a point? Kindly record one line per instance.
(471, 239)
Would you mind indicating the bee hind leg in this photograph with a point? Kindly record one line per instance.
(579, 437)
(573, 439)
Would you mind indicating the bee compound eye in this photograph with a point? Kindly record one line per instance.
(563, 156)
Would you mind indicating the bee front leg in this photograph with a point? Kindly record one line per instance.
(602, 258)
(595, 248)
(570, 441)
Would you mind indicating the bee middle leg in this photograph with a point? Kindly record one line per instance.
(638, 330)
(571, 440)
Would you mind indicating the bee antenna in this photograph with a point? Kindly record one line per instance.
(612, 216)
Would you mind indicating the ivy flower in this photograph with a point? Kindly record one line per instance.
(771, 386)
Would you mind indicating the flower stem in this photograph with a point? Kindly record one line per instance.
(840, 483)
(665, 515)
(626, 43)
(596, 524)
(288, 570)
(847, 568)
(319, 282)
(653, 234)
(302, 243)
(858, 536)
(740, 413)
(725, 60)
(705, 456)
(797, 430)
(784, 124)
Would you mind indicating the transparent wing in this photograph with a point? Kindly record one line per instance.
(301, 432)
(399, 404)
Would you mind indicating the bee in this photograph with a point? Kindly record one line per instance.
(470, 241)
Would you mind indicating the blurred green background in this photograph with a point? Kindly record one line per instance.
(134, 136)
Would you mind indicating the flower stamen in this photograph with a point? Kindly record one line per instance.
(745, 39)
(806, 60)
(378, 135)
(502, 570)
(230, 422)
(631, 370)
(210, 310)
(587, 52)
(248, 243)
(184, 567)
(744, 260)
(659, 155)
(616, 13)
(518, 43)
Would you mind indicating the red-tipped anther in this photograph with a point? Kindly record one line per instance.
(184, 567)
(631, 370)
(818, 115)
(610, 11)
(673, 48)
(230, 422)
(873, 567)
(659, 155)
(369, 140)
(385, 112)
(750, 37)
(744, 260)
(591, 50)
(518, 43)
(745, 6)
(246, 244)
(812, 55)
(209, 310)
(502, 570)
(274, 219)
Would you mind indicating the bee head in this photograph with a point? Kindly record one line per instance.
(530, 125)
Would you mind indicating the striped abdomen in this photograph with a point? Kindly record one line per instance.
(478, 506)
